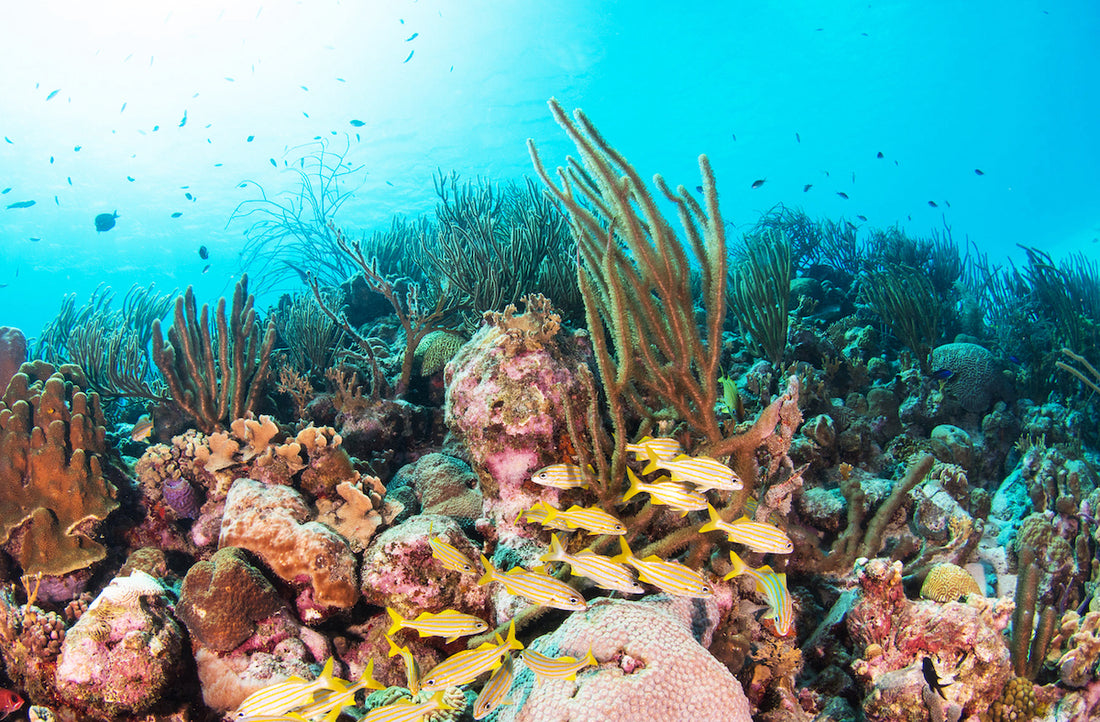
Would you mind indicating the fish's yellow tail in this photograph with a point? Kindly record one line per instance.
(512, 642)
(626, 555)
(652, 466)
(711, 525)
(556, 553)
(635, 484)
(398, 620)
(739, 566)
(490, 572)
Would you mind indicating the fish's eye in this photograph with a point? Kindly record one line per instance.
(573, 600)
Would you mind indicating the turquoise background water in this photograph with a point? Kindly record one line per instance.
(940, 88)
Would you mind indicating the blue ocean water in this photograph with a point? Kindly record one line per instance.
(93, 95)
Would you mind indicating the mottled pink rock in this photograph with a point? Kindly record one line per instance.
(399, 570)
(507, 393)
(964, 640)
(121, 655)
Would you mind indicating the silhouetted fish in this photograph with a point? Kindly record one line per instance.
(757, 183)
(807, 187)
(880, 155)
(862, 218)
(249, 139)
(206, 268)
(76, 148)
(411, 37)
(5, 191)
(156, 128)
(105, 222)
(933, 204)
(21, 204)
(978, 171)
(69, 178)
(357, 123)
(130, 178)
(797, 138)
(177, 214)
(188, 196)
(183, 121)
(933, 679)
(842, 194)
(408, 58)
(698, 189)
(273, 163)
(204, 252)
(50, 96)
(34, 240)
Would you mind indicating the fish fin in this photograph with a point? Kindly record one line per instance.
(635, 484)
(397, 620)
(489, 572)
(591, 659)
(394, 649)
(512, 642)
(368, 674)
(556, 552)
(711, 525)
(654, 460)
(626, 553)
(738, 565)
(438, 699)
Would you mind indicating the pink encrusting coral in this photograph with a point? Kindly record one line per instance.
(651, 667)
(507, 392)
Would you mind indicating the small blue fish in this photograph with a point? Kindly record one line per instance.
(5, 191)
(122, 108)
(842, 194)
(21, 204)
(130, 178)
(76, 148)
(412, 37)
(357, 123)
(408, 58)
(50, 96)
(249, 139)
(942, 374)
(757, 183)
(273, 163)
(183, 122)
(978, 171)
(932, 204)
(177, 214)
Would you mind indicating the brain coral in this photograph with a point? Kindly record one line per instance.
(947, 583)
(651, 668)
(973, 373)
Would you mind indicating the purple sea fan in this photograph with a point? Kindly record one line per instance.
(182, 498)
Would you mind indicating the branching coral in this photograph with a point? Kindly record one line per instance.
(215, 375)
(759, 293)
(905, 299)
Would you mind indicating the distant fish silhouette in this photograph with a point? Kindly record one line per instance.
(76, 148)
(797, 138)
(204, 252)
(698, 189)
(862, 218)
(183, 122)
(130, 178)
(5, 191)
(978, 171)
(21, 204)
(105, 222)
(880, 155)
(408, 58)
(206, 268)
(842, 194)
(188, 196)
(177, 214)
(50, 96)
(933, 204)
(34, 240)
(757, 183)
(411, 37)
(249, 139)
(806, 188)
(357, 123)
(122, 108)
(272, 162)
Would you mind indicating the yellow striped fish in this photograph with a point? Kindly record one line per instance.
(465, 666)
(538, 514)
(535, 586)
(703, 472)
(331, 704)
(671, 577)
(412, 669)
(448, 624)
(561, 476)
(492, 694)
(763, 538)
(663, 447)
(605, 572)
(406, 710)
(774, 588)
(285, 696)
(448, 556)
(592, 519)
(671, 494)
(556, 667)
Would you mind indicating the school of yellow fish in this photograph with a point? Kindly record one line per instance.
(682, 487)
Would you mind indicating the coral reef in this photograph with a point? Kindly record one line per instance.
(52, 470)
